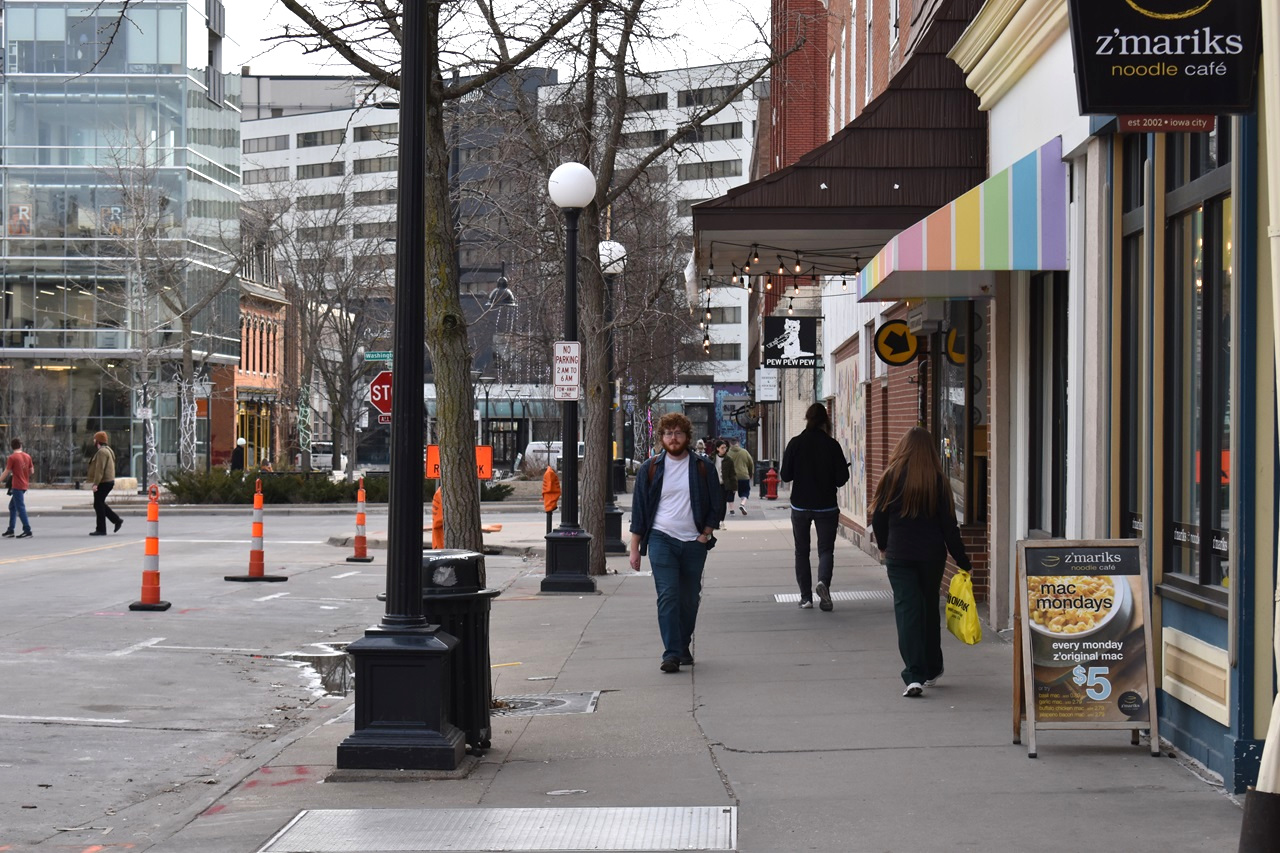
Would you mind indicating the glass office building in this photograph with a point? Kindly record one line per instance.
(120, 185)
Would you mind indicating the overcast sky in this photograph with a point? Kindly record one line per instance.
(714, 29)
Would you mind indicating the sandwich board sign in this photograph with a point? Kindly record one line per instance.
(1083, 657)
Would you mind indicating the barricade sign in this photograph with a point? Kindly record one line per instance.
(1082, 655)
(484, 462)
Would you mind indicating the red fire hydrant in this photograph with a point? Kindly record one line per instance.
(771, 485)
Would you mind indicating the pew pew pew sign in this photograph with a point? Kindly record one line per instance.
(1083, 657)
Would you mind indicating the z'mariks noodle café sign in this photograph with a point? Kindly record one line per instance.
(1165, 56)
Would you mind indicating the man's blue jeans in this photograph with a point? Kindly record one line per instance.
(18, 509)
(677, 575)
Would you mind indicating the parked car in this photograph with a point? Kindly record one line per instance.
(322, 457)
(543, 454)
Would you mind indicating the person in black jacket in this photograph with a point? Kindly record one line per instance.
(815, 466)
(728, 477)
(914, 521)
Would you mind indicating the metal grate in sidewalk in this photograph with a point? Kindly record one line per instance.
(530, 830)
(854, 595)
(545, 703)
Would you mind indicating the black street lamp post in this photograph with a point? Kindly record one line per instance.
(402, 664)
(572, 187)
(613, 260)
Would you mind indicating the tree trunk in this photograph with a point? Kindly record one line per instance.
(446, 326)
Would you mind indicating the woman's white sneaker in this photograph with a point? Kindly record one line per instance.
(913, 689)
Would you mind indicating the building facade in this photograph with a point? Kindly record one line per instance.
(119, 178)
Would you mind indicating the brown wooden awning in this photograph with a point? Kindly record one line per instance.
(920, 144)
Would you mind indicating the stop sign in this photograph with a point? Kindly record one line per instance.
(380, 392)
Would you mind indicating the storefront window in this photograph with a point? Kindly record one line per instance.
(961, 419)
(1047, 418)
(1132, 347)
(1197, 367)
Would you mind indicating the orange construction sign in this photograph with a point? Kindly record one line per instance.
(484, 462)
(550, 490)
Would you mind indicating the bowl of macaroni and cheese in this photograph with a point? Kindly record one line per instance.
(1070, 615)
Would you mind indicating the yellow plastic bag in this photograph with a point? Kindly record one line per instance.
(962, 610)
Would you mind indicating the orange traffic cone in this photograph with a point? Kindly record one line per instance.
(362, 544)
(256, 557)
(151, 558)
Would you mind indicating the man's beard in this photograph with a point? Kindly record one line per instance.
(675, 446)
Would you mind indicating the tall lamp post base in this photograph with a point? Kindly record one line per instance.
(613, 543)
(401, 721)
(569, 562)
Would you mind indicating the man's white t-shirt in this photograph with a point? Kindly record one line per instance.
(674, 515)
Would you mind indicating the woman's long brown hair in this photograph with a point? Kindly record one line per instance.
(916, 470)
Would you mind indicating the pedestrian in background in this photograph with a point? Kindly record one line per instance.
(102, 476)
(728, 477)
(815, 466)
(237, 456)
(914, 521)
(701, 447)
(675, 509)
(17, 477)
(744, 465)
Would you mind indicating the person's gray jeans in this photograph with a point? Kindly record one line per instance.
(825, 523)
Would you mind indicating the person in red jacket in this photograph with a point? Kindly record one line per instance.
(17, 474)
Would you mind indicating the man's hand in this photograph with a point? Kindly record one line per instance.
(634, 558)
(95, 487)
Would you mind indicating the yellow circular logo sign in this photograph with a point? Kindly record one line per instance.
(1176, 9)
(895, 344)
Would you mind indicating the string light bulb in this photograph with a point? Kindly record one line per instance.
(790, 309)
(782, 268)
(768, 283)
(797, 266)
(733, 279)
(844, 284)
(755, 255)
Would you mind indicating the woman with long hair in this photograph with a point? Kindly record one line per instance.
(914, 521)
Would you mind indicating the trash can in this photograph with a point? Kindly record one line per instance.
(453, 599)
(762, 468)
(619, 476)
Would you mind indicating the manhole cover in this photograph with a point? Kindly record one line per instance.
(545, 703)
(855, 595)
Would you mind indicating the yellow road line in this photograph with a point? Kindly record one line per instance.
(496, 665)
(72, 553)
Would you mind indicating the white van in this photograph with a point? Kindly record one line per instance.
(546, 454)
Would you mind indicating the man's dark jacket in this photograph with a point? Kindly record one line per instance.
(815, 466)
(704, 495)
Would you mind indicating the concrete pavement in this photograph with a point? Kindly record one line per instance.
(791, 719)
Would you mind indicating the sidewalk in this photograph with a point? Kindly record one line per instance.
(792, 717)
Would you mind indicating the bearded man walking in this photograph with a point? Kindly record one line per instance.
(675, 511)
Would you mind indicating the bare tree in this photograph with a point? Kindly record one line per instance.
(336, 273)
(180, 293)
(597, 39)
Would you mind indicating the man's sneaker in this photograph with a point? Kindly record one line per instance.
(915, 688)
(930, 682)
(26, 534)
(742, 509)
(686, 659)
(119, 524)
(806, 605)
(8, 534)
(669, 665)
(824, 597)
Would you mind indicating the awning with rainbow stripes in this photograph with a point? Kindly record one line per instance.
(1014, 220)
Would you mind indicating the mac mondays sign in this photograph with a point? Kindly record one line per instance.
(1083, 653)
(791, 342)
(1165, 56)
